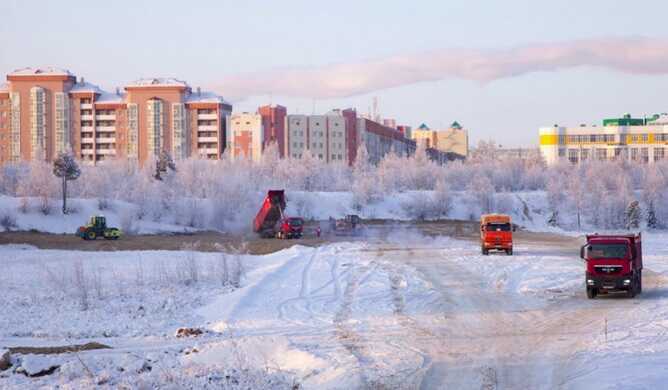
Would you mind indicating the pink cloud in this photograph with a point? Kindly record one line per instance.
(629, 55)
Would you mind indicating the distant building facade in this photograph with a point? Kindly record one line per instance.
(453, 140)
(273, 123)
(330, 137)
(247, 136)
(49, 112)
(644, 140)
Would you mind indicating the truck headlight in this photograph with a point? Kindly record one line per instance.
(627, 282)
(590, 282)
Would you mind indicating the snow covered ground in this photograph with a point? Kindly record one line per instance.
(404, 312)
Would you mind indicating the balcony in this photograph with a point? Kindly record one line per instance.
(87, 151)
(207, 116)
(86, 117)
(86, 106)
(87, 140)
(208, 151)
(106, 128)
(207, 139)
(105, 140)
(106, 152)
(207, 128)
(106, 117)
(87, 129)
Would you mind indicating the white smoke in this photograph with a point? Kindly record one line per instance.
(630, 55)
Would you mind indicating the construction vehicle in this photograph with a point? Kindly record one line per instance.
(614, 263)
(97, 227)
(496, 233)
(350, 225)
(271, 220)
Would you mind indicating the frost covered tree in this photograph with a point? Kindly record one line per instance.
(576, 194)
(633, 215)
(363, 186)
(163, 162)
(483, 189)
(652, 222)
(66, 168)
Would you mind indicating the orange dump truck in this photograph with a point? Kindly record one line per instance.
(496, 233)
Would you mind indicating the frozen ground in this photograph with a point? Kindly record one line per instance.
(405, 312)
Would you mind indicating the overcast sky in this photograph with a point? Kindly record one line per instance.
(500, 68)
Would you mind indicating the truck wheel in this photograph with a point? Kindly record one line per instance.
(509, 252)
(91, 235)
(639, 282)
(591, 292)
(485, 251)
(631, 292)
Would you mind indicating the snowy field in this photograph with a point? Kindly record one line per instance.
(406, 312)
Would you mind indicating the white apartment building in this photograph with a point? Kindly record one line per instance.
(324, 136)
(246, 136)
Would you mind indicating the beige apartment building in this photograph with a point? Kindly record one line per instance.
(45, 111)
(246, 136)
(454, 139)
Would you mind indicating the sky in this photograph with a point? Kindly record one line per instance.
(500, 68)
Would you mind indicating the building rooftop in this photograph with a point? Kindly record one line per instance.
(47, 71)
(158, 82)
(456, 125)
(205, 97)
(86, 87)
(107, 97)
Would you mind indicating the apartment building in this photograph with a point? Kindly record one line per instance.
(644, 140)
(50, 111)
(331, 137)
(246, 136)
(273, 123)
(381, 140)
(453, 140)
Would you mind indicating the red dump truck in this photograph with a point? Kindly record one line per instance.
(496, 233)
(614, 263)
(271, 221)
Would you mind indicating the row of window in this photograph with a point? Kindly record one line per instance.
(611, 138)
(635, 154)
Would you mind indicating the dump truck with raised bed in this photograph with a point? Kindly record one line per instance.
(614, 263)
(97, 227)
(496, 233)
(271, 220)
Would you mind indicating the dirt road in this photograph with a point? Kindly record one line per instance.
(209, 241)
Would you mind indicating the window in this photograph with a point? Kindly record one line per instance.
(634, 154)
(601, 154)
(644, 155)
(584, 154)
(645, 137)
(562, 139)
(659, 153)
(562, 152)
(573, 155)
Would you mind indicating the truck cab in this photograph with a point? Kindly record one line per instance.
(614, 263)
(496, 233)
(292, 227)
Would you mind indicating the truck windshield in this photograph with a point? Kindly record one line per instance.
(498, 227)
(295, 222)
(606, 251)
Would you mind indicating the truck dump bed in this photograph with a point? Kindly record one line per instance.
(270, 212)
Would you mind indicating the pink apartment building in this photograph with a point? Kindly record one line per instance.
(44, 111)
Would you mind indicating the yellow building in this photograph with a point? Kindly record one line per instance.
(643, 140)
(454, 139)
